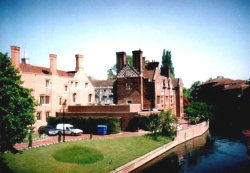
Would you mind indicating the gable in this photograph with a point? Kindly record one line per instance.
(128, 71)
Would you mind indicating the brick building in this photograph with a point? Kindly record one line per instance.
(137, 84)
(51, 87)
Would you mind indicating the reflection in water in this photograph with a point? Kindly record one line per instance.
(206, 153)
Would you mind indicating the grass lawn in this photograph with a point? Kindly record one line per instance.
(104, 155)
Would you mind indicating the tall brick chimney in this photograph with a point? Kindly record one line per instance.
(138, 60)
(15, 56)
(53, 63)
(121, 58)
(79, 62)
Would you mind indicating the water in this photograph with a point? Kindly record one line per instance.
(205, 154)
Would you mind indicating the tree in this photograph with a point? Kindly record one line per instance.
(163, 123)
(112, 72)
(154, 124)
(16, 106)
(129, 60)
(168, 123)
(193, 91)
(198, 111)
(167, 64)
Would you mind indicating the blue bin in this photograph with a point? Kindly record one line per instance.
(102, 129)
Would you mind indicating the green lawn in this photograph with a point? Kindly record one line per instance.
(107, 154)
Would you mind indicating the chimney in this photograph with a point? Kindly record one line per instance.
(53, 65)
(121, 58)
(138, 60)
(79, 62)
(15, 56)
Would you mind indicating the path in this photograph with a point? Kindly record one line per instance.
(54, 139)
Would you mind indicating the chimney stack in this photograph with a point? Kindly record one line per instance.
(53, 65)
(121, 58)
(15, 56)
(138, 60)
(79, 62)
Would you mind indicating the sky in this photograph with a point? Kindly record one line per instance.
(207, 38)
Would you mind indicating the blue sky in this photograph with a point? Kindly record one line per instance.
(207, 38)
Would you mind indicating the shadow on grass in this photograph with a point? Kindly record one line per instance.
(4, 166)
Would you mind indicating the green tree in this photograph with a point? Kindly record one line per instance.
(154, 124)
(16, 106)
(198, 111)
(168, 123)
(167, 64)
(193, 91)
(163, 123)
(186, 93)
(112, 72)
(129, 60)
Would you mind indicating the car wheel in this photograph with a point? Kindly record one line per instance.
(59, 133)
(72, 134)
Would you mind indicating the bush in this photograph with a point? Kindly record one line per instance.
(89, 124)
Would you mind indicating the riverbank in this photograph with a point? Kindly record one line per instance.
(181, 137)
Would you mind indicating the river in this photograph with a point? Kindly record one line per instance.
(209, 153)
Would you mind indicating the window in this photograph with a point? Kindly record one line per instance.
(86, 85)
(47, 115)
(65, 88)
(60, 100)
(74, 97)
(76, 83)
(46, 83)
(38, 115)
(90, 97)
(44, 99)
(71, 83)
(41, 100)
(158, 99)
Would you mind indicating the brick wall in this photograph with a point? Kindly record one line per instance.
(105, 108)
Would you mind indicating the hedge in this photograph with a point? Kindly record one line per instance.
(139, 122)
(89, 124)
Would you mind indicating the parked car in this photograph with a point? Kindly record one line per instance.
(48, 130)
(68, 129)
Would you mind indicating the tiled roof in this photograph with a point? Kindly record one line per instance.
(27, 68)
(102, 83)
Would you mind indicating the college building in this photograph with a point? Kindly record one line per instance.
(143, 84)
(52, 87)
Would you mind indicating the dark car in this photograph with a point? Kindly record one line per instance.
(48, 130)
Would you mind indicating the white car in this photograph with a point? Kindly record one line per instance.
(68, 129)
